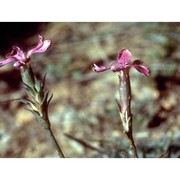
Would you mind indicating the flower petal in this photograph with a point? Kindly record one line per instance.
(42, 46)
(18, 64)
(18, 54)
(96, 68)
(124, 57)
(2, 63)
(142, 69)
(116, 68)
(137, 62)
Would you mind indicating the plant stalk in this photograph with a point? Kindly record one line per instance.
(39, 102)
(59, 150)
(125, 108)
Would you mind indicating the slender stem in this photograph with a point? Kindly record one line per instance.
(125, 108)
(132, 144)
(60, 153)
(39, 103)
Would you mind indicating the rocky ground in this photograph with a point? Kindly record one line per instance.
(83, 111)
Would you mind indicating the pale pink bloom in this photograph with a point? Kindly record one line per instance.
(123, 62)
(22, 58)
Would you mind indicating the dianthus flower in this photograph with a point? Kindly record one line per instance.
(123, 62)
(22, 58)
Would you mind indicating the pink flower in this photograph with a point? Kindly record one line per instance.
(123, 62)
(21, 58)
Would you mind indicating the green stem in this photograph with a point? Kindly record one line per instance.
(60, 153)
(39, 103)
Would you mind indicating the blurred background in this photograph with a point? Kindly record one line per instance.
(83, 111)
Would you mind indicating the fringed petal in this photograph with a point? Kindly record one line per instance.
(96, 68)
(124, 57)
(117, 68)
(137, 62)
(142, 69)
(42, 46)
(7, 61)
